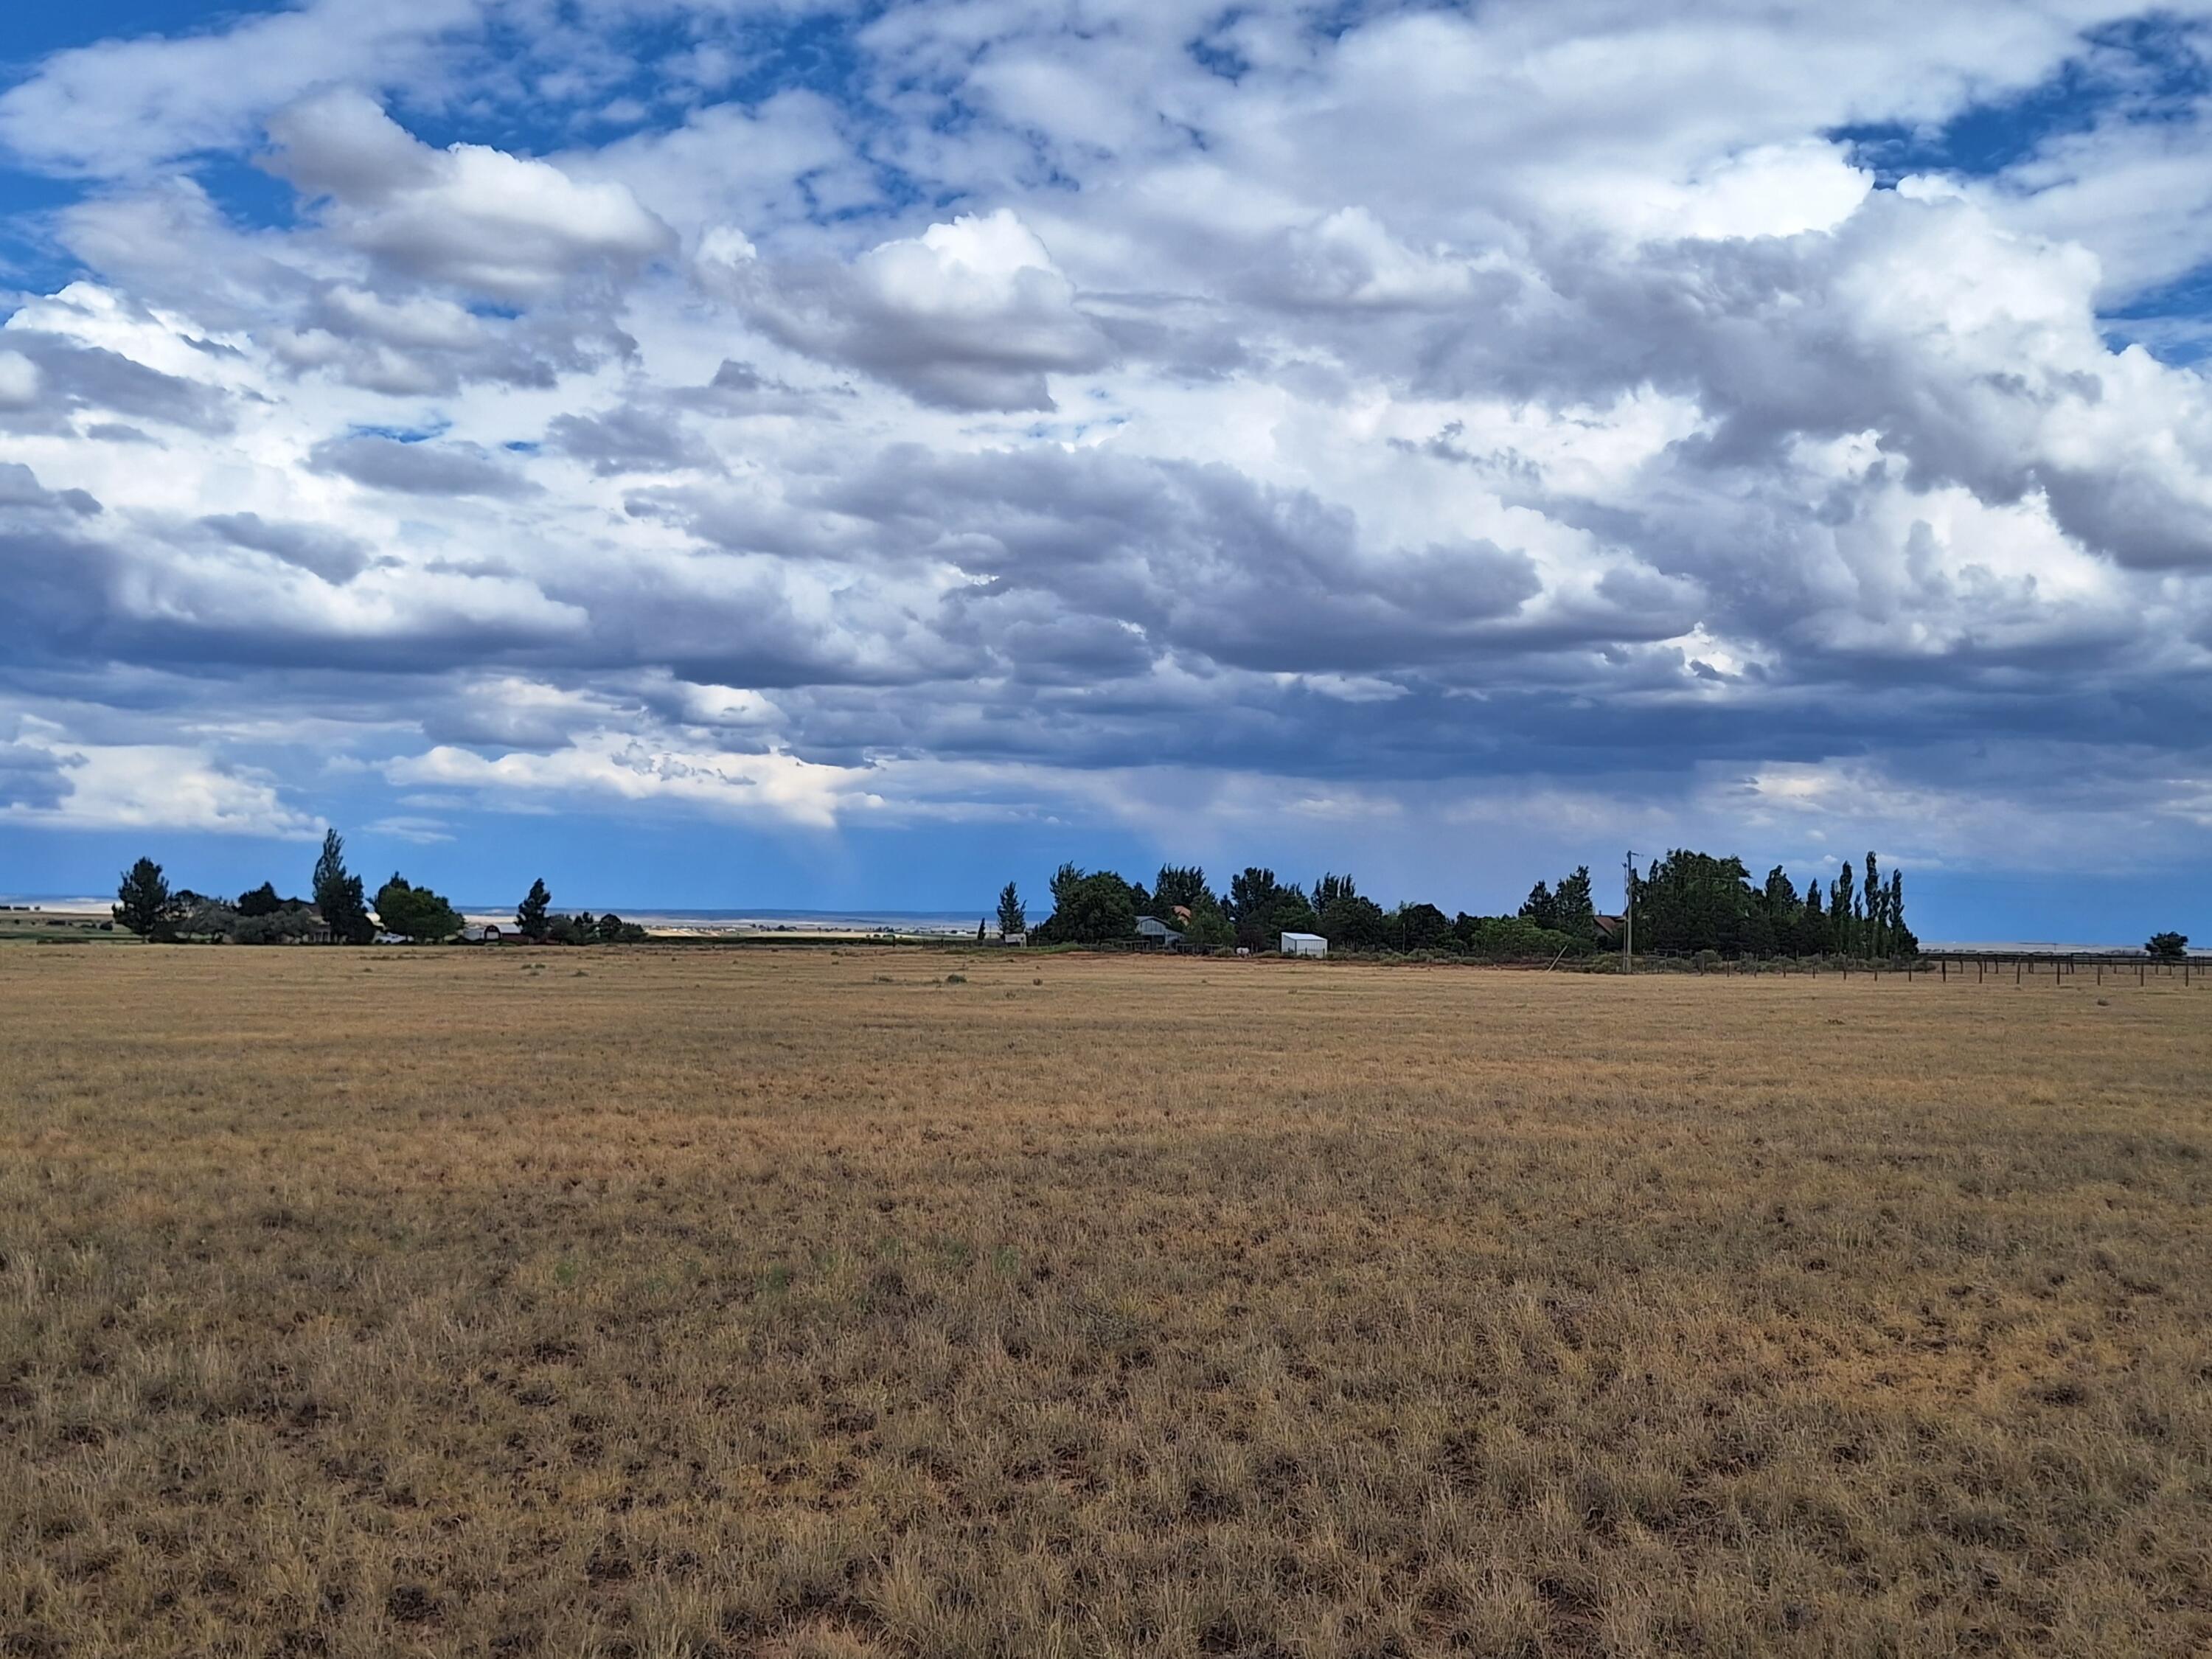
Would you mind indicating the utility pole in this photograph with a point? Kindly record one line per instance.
(1628, 918)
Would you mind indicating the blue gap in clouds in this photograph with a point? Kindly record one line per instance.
(34, 31)
(815, 54)
(30, 259)
(771, 55)
(2143, 68)
(2172, 322)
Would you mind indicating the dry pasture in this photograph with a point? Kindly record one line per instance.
(662, 1301)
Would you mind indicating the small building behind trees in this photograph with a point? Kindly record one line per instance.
(1153, 934)
(1304, 945)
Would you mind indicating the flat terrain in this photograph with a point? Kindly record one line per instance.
(60, 928)
(655, 1302)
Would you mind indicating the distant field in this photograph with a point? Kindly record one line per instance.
(661, 1302)
(17, 926)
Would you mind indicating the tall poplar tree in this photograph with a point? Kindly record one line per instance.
(1811, 937)
(339, 895)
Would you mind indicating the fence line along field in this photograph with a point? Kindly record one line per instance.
(665, 1302)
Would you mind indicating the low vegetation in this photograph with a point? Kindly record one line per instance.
(771, 1303)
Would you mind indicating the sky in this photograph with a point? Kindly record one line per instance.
(729, 453)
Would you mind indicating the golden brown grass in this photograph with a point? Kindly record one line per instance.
(666, 1302)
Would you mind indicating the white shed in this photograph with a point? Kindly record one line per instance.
(1304, 945)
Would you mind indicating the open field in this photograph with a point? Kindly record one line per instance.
(60, 928)
(657, 1302)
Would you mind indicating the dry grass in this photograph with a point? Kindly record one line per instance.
(655, 1303)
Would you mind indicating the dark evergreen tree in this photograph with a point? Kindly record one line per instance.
(1810, 937)
(530, 916)
(1181, 884)
(2166, 947)
(1574, 912)
(1012, 921)
(1540, 907)
(1416, 927)
(339, 896)
(1780, 896)
(261, 901)
(1902, 940)
(143, 903)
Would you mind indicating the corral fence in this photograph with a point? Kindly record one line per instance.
(1979, 967)
(2063, 969)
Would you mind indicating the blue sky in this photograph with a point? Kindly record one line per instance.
(814, 456)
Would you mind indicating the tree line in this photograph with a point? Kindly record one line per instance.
(1689, 902)
(339, 910)
(1686, 902)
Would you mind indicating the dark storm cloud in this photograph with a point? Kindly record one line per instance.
(627, 438)
(32, 777)
(331, 555)
(424, 468)
(20, 487)
(1198, 558)
(74, 377)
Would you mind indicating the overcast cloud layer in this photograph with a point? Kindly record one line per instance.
(1779, 426)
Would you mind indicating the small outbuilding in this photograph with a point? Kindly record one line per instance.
(1304, 945)
(488, 933)
(1155, 934)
